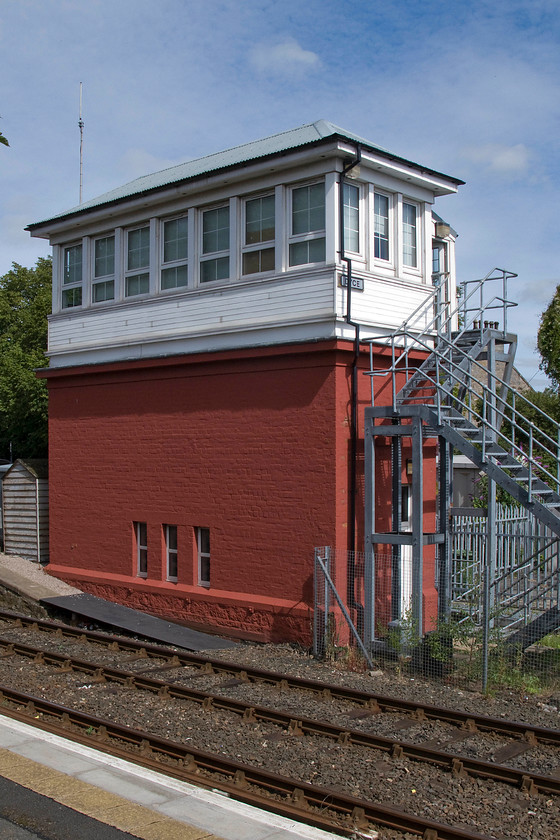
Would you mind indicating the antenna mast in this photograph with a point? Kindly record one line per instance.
(81, 127)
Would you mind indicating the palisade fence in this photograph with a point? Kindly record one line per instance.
(515, 642)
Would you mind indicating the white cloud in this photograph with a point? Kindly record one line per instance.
(507, 160)
(286, 57)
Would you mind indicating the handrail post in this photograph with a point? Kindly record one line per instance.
(530, 463)
(394, 374)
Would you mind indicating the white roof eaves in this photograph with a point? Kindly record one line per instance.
(307, 135)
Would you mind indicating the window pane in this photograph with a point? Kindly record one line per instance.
(259, 220)
(351, 218)
(215, 230)
(251, 263)
(255, 261)
(73, 264)
(103, 291)
(104, 256)
(204, 537)
(138, 284)
(409, 234)
(217, 269)
(205, 570)
(307, 252)
(308, 209)
(172, 278)
(138, 248)
(381, 230)
(71, 297)
(142, 533)
(175, 240)
(172, 537)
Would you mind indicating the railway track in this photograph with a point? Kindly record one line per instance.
(387, 755)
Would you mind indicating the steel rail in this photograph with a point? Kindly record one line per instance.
(363, 698)
(321, 807)
(458, 764)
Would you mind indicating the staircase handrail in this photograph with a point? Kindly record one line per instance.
(443, 324)
(488, 398)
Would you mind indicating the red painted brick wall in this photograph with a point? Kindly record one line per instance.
(253, 445)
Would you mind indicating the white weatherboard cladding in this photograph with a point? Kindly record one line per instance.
(383, 303)
(247, 307)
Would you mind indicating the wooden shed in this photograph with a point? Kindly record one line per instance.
(25, 509)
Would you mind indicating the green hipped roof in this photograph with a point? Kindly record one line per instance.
(306, 135)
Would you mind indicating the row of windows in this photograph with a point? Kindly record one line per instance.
(306, 244)
(173, 554)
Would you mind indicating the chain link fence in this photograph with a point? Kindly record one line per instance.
(515, 645)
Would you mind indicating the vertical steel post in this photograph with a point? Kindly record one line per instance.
(417, 525)
(369, 526)
(444, 550)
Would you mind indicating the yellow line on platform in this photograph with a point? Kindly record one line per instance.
(108, 808)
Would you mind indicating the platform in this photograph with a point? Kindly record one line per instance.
(130, 798)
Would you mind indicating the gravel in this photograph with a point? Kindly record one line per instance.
(490, 808)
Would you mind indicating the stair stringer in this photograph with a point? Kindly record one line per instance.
(545, 514)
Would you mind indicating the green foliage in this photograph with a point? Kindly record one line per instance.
(548, 340)
(3, 140)
(25, 302)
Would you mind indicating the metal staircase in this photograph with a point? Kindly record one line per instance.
(450, 380)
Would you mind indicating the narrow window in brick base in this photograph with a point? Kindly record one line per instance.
(203, 542)
(170, 532)
(141, 537)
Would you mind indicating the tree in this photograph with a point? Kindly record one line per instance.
(25, 302)
(548, 340)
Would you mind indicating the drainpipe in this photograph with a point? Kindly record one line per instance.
(354, 387)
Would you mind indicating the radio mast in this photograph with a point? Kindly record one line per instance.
(81, 127)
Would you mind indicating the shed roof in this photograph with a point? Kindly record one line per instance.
(306, 135)
(38, 467)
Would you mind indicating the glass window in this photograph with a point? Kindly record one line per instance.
(308, 209)
(215, 230)
(137, 284)
(175, 240)
(215, 240)
(351, 201)
(73, 264)
(311, 250)
(381, 227)
(203, 540)
(103, 291)
(174, 273)
(72, 276)
(171, 551)
(141, 534)
(138, 254)
(409, 235)
(259, 228)
(308, 218)
(259, 220)
(104, 256)
(71, 297)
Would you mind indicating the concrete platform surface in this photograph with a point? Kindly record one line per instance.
(140, 802)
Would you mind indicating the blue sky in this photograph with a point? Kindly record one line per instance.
(469, 89)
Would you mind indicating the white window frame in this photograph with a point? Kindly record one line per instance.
(141, 549)
(203, 557)
(390, 228)
(417, 266)
(74, 285)
(308, 236)
(103, 279)
(171, 554)
(139, 272)
(347, 249)
(178, 263)
(261, 245)
(213, 256)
